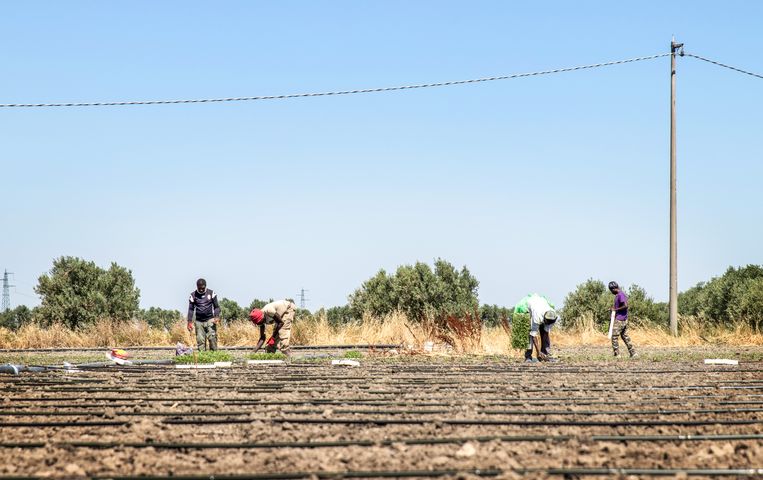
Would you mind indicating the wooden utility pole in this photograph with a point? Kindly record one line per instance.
(673, 303)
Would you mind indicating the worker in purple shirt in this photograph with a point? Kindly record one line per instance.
(620, 327)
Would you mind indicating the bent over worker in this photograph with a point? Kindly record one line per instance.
(280, 314)
(542, 318)
(203, 302)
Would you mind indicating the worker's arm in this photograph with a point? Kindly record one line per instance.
(621, 307)
(536, 344)
(216, 306)
(262, 338)
(277, 326)
(191, 308)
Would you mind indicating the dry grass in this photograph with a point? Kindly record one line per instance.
(103, 333)
(459, 335)
(691, 333)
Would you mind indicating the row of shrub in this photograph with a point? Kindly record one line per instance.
(77, 292)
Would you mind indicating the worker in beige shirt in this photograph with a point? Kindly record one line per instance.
(280, 314)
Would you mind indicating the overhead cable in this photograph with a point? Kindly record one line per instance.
(333, 93)
(723, 65)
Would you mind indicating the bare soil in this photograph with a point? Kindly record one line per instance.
(154, 420)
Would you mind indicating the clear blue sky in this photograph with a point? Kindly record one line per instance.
(534, 184)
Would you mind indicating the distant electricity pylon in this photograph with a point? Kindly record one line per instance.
(303, 299)
(6, 292)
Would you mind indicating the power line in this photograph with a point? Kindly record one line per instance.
(723, 65)
(36, 297)
(334, 93)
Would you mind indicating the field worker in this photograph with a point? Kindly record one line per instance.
(280, 314)
(542, 318)
(203, 302)
(620, 325)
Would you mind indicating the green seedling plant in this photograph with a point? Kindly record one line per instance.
(520, 330)
(353, 354)
(204, 357)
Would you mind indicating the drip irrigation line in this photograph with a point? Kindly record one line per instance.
(209, 421)
(383, 346)
(404, 441)
(398, 388)
(649, 399)
(327, 389)
(525, 412)
(675, 438)
(335, 93)
(658, 472)
(700, 407)
(334, 475)
(105, 423)
(621, 412)
(479, 421)
(595, 423)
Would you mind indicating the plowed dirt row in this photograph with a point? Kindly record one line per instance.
(385, 417)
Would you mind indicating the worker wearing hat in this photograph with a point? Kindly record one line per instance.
(620, 325)
(203, 302)
(280, 314)
(542, 319)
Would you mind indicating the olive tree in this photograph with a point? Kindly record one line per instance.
(77, 292)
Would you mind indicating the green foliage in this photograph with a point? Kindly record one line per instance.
(734, 295)
(418, 291)
(257, 303)
(520, 330)
(16, 318)
(352, 354)
(337, 316)
(303, 315)
(375, 297)
(590, 299)
(160, 318)
(341, 315)
(231, 311)
(207, 356)
(492, 315)
(749, 303)
(266, 356)
(642, 309)
(76, 292)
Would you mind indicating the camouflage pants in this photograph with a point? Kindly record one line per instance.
(206, 332)
(620, 329)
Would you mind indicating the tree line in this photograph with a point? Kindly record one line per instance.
(76, 293)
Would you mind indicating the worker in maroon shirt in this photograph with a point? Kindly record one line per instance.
(620, 326)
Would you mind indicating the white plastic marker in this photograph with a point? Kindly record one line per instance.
(720, 361)
(70, 367)
(265, 362)
(223, 364)
(348, 363)
(196, 367)
(611, 324)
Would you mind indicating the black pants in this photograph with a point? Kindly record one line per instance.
(545, 344)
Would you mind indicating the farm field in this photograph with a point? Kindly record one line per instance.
(408, 417)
